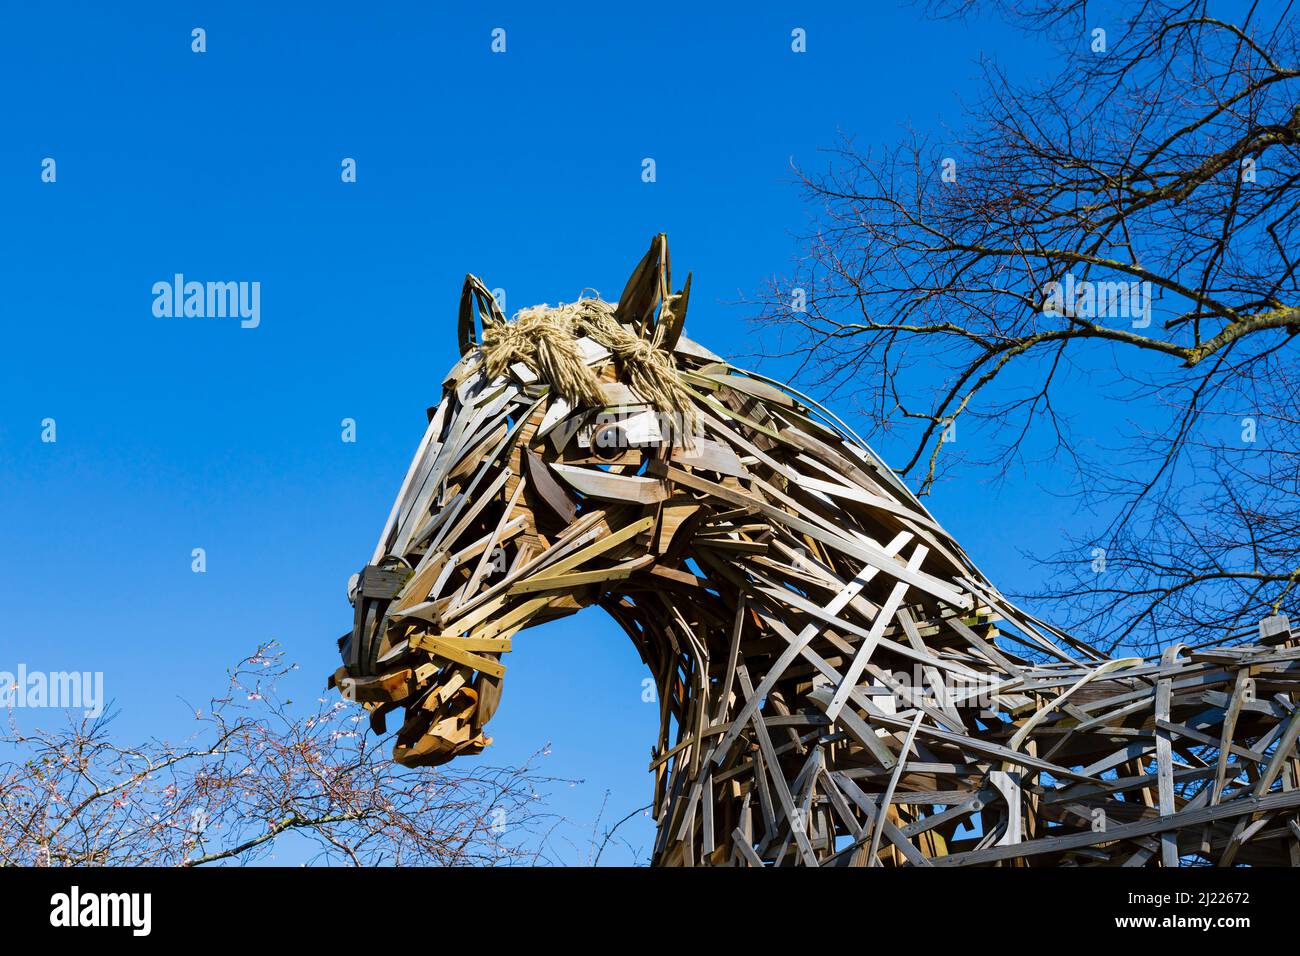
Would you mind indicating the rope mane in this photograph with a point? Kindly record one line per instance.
(545, 339)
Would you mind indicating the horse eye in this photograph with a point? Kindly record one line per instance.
(607, 441)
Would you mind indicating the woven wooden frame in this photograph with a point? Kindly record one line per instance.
(838, 684)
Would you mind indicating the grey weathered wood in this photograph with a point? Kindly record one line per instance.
(1164, 757)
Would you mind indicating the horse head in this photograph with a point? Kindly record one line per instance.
(528, 498)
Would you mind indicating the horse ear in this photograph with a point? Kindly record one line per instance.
(650, 286)
(674, 321)
(475, 298)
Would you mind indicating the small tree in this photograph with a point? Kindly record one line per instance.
(255, 771)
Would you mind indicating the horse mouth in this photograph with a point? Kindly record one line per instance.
(445, 724)
(447, 702)
(444, 712)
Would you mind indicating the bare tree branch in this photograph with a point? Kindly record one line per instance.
(256, 769)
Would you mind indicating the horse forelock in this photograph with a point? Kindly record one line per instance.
(549, 341)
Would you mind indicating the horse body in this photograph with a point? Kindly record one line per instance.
(838, 683)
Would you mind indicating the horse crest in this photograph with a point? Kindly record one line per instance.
(838, 683)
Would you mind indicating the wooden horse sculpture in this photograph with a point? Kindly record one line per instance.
(838, 684)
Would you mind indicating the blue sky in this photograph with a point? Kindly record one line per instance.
(524, 167)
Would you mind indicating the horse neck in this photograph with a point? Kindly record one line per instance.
(702, 639)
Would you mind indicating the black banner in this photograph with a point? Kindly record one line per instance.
(352, 907)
